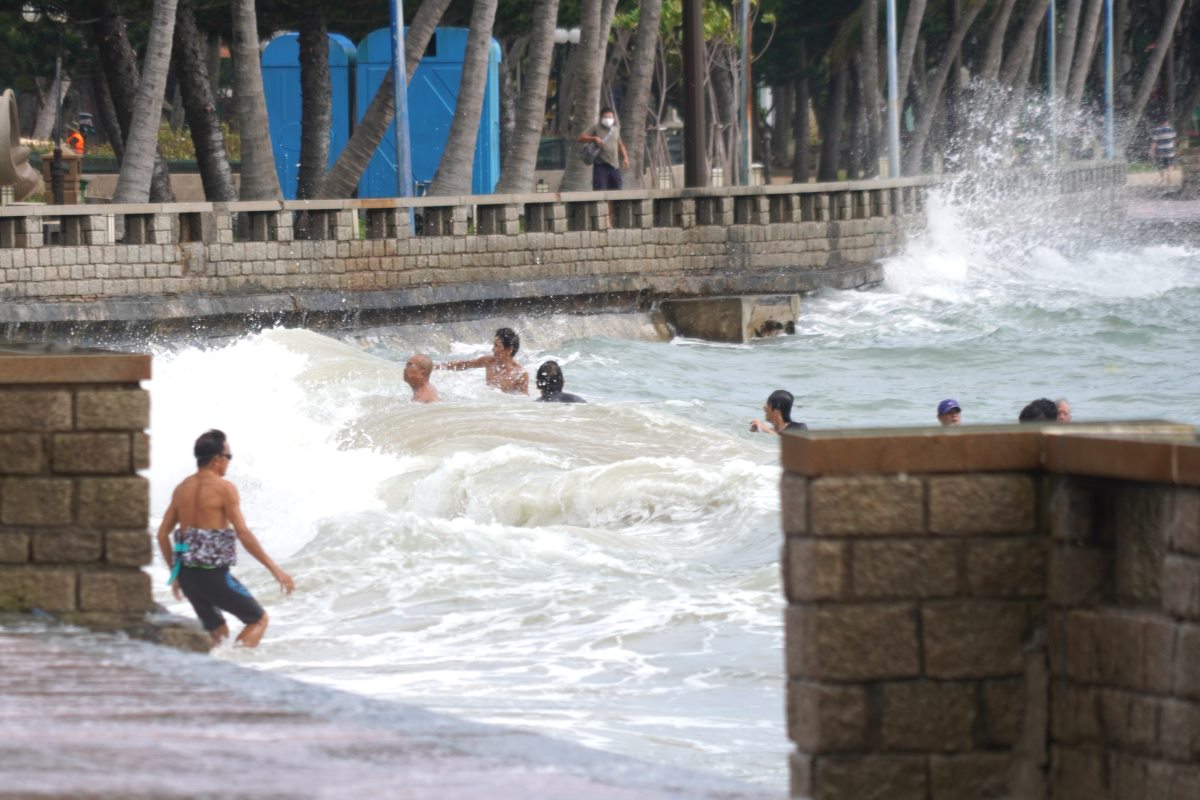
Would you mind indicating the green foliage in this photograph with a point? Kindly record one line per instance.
(174, 145)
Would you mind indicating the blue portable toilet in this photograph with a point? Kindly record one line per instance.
(432, 95)
(281, 82)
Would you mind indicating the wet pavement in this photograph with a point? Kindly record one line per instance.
(86, 715)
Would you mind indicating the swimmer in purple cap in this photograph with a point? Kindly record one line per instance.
(949, 413)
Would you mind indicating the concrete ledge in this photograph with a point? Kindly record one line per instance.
(21, 364)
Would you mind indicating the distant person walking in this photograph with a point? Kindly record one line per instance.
(602, 142)
(550, 384)
(501, 367)
(778, 413)
(205, 515)
(949, 413)
(1162, 150)
(416, 375)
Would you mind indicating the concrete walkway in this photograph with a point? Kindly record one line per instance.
(91, 716)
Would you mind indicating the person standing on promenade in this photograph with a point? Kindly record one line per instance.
(416, 375)
(778, 413)
(206, 516)
(550, 384)
(1162, 150)
(949, 413)
(501, 367)
(605, 140)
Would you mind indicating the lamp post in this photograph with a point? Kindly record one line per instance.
(404, 183)
(1108, 80)
(32, 14)
(893, 104)
(1051, 72)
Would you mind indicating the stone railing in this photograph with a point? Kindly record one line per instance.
(73, 509)
(1004, 612)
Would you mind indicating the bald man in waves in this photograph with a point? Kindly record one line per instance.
(416, 375)
(206, 517)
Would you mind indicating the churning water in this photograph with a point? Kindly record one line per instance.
(608, 572)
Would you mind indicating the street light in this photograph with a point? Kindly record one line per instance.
(31, 14)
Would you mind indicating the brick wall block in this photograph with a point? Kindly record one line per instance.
(1187, 663)
(91, 453)
(141, 451)
(121, 591)
(973, 640)
(21, 454)
(1139, 522)
(1075, 714)
(928, 716)
(981, 504)
(1160, 637)
(128, 548)
(114, 502)
(915, 568)
(1119, 651)
(800, 774)
(873, 777)
(1183, 521)
(1003, 709)
(67, 547)
(14, 548)
(1007, 568)
(814, 570)
(1078, 773)
(1128, 720)
(24, 588)
(1077, 575)
(852, 643)
(35, 501)
(35, 411)
(1073, 509)
(978, 776)
(867, 506)
(112, 410)
(823, 718)
(1179, 731)
(1181, 586)
(793, 493)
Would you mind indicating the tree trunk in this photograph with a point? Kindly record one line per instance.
(510, 87)
(1150, 77)
(801, 168)
(908, 47)
(106, 115)
(521, 162)
(1085, 51)
(212, 58)
(200, 108)
(44, 127)
(989, 68)
(641, 75)
(453, 174)
(831, 124)
(175, 115)
(594, 26)
(1018, 59)
(120, 65)
(137, 168)
(870, 81)
(259, 180)
(1066, 47)
(937, 84)
(316, 103)
(782, 129)
(348, 170)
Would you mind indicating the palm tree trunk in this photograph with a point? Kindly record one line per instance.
(200, 107)
(989, 68)
(1085, 51)
(120, 65)
(1017, 59)
(870, 82)
(937, 85)
(43, 128)
(801, 168)
(259, 180)
(594, 25)
(137, 168)
(831, 124)
(908, 46)
(1066, 46)
(521, 160)
(453, 174)
(348, 170)
(641, 75)
(316, 103)
(1150, 77)
(106, 113)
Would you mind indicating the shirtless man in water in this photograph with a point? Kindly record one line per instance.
(502, 370)
(207, 512)
(416, 375)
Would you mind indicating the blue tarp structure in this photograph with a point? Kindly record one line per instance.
(432, 94)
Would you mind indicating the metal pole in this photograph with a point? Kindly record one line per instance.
(694, 166)
(1051, 72)
(56, 166)
(746, 95)
(404, 181)
(893, 120)
(1108, 80)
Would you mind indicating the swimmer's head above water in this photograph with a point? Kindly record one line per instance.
(550, 378)
(507, 341)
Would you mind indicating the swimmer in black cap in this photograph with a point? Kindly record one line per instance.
(778, 411)
(550, 384)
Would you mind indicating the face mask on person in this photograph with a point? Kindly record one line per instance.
(607, 121)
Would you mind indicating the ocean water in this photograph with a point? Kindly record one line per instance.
(608, 573)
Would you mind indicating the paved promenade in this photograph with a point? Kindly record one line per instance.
(91, 716)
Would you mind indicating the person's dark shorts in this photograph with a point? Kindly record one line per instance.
(1164, 163)
(605, 176)
(212, 590)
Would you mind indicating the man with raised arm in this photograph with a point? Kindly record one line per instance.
(501, 367)
(416, 375)
(206, 516)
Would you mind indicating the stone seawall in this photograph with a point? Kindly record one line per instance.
(242, 265)
(987, 613)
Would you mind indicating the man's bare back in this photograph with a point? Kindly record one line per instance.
(500, 368)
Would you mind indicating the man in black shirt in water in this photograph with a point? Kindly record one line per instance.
(550, 383)
(778, 411)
